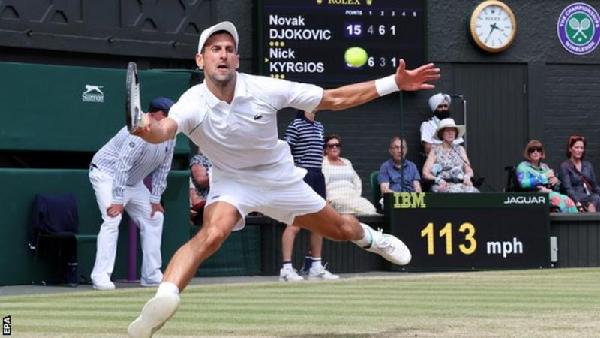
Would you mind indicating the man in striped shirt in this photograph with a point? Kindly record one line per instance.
(117, 175)
(305, 136)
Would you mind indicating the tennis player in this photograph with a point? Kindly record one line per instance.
(231, 116)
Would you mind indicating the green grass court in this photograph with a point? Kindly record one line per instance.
(521, 303)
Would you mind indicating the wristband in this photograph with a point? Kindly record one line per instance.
(386, 85)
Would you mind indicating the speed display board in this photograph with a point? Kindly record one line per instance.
(460, 231)
(305, 40)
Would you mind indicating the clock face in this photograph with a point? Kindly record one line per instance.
(493, 26)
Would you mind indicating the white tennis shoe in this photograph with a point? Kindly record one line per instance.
(289, 275)
(389, 247)
(104, 286)
(155, 313)
(321, 274)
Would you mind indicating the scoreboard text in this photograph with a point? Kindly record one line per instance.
(305, 40)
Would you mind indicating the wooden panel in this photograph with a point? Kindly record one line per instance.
(496, 117)
(578, 239)
(571, 107)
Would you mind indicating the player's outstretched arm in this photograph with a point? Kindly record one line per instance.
(157, 131)
(356, 94)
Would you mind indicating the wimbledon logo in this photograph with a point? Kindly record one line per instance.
(578, 28)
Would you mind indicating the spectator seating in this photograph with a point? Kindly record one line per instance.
(375, 190)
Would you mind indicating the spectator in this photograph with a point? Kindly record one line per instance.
(199, 184)
(578, 177)
(535, 175)
(117, 172)
(447, 164)
(440, 107)
(391, 177)
(305, 138)
(344, 187)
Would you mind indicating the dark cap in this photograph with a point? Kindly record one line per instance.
(160, 103)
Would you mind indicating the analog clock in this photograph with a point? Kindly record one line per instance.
(493, 26)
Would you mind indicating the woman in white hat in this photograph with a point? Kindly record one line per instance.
(447, 164)
(440, 108)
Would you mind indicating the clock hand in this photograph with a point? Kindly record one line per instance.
(492, 27)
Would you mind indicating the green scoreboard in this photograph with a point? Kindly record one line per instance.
(471, 231)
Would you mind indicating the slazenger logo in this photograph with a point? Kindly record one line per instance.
(525, 200)
(578, 28)
(92, 93)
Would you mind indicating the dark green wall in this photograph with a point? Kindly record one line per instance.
(19, 187)
(239, 255)
(43, 109)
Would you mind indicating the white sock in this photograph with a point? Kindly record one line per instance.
(287, 266)
(316, 263)
(367, 239)
(167, 288)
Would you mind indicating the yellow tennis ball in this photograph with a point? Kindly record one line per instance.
(355, 57)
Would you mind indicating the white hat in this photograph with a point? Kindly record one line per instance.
(438, 99)
(221, 26)
(448, 123)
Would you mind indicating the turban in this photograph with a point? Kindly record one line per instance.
(438, 99)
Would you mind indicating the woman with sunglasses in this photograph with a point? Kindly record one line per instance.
(578, 177)
(343, 186)
(535, 175)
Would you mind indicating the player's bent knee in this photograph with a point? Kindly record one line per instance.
(214, 237)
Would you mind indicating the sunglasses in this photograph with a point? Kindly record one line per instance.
(534, 149)
(334, 145)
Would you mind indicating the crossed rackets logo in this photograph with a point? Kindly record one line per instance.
(579, 28)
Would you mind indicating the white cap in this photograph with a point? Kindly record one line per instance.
(221, 26)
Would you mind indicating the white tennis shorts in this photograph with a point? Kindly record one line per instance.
(282, 203)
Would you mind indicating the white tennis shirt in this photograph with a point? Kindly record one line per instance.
(241, 138)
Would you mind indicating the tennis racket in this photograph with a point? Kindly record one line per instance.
(133, 110)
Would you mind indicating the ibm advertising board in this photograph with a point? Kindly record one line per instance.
(471, 231)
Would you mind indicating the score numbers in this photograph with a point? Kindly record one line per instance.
(355, 30)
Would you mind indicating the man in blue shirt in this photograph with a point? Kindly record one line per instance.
(391, 178)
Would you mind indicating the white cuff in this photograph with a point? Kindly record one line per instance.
(386, 85)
